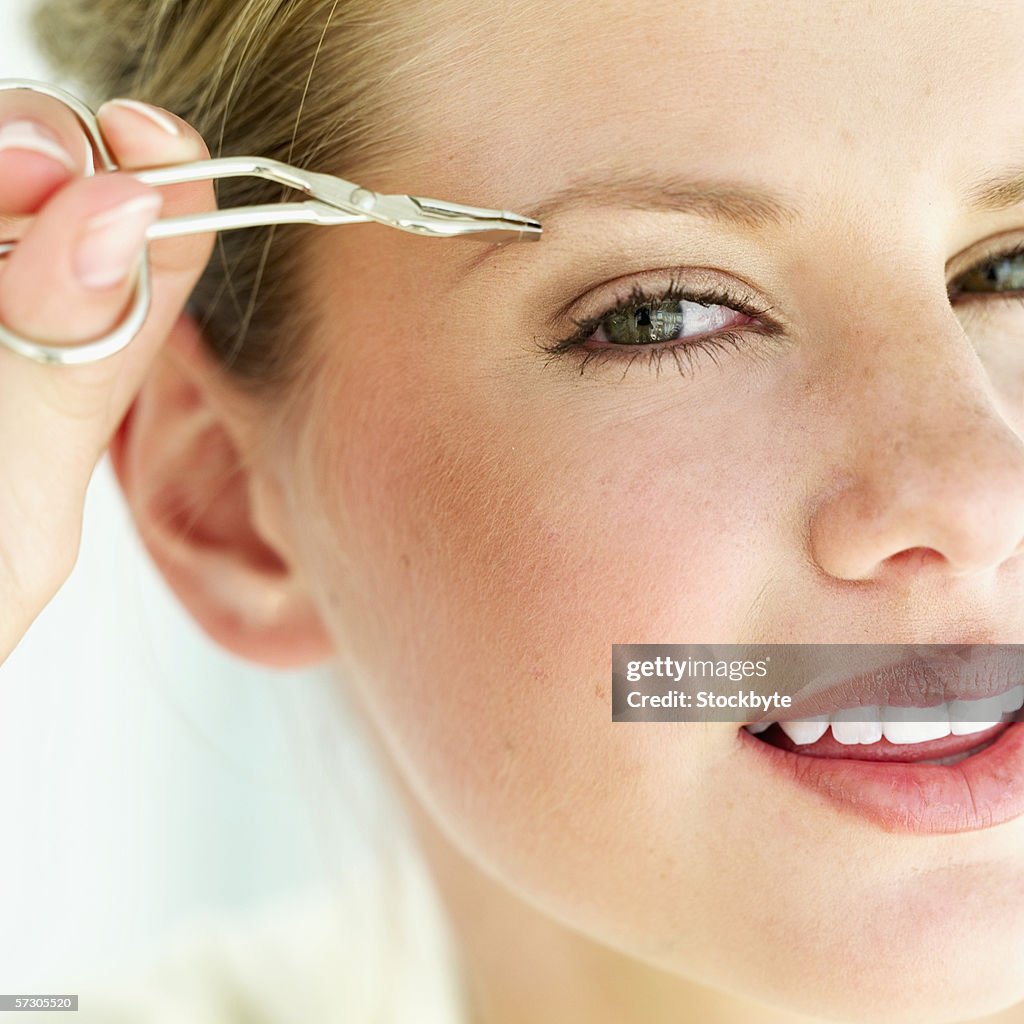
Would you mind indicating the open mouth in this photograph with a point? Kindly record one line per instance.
(919, 770)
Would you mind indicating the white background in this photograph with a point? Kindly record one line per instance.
(146, 776)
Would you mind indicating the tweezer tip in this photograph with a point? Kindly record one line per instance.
(530, 233)
(497, 220)
(528, 230)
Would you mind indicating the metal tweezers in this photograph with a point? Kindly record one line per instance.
(332, 200)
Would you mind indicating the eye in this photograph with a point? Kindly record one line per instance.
(1001, 273)
(647, 321)
(681, 323)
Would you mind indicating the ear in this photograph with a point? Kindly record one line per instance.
(179, 457)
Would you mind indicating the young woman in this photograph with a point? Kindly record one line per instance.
(461, 472)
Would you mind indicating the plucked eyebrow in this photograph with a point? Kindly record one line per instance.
(739, 205)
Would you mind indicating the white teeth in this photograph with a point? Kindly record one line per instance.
(807, 730)
(849, 727)
(915, 725)
(984, 714)
(966, 728)
(903, 724)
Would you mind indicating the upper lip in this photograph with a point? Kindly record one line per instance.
(944, 673)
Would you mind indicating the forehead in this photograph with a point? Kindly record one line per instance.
(801, 94)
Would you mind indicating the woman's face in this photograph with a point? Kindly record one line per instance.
(491, 517)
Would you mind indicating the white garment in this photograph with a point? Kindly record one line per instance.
(332, 958)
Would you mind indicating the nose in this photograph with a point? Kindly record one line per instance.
(931, 479)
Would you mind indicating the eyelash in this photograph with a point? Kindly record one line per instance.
(694, 349)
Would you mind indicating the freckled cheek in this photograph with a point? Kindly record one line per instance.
(490, 564)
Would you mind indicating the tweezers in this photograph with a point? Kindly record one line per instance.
(331, 200)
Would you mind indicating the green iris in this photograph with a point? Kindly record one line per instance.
(642, 325)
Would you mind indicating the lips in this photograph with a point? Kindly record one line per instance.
(924, 745)
(977, 791)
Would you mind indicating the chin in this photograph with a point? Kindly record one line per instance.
(948, 974)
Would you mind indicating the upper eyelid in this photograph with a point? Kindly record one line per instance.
(619, 292)
(625, 284)
(995, 252)
(722, 300)
(988, 248)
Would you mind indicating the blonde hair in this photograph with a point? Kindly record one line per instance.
(305, 81)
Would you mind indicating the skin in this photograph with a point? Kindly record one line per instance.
(464, 527)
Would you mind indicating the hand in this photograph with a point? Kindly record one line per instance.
(71, 278)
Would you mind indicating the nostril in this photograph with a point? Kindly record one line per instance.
(913, 559)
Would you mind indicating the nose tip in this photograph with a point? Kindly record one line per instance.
(920, 508)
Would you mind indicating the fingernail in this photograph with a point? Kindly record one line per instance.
(152, 114)
(25, 134)
(112, 240)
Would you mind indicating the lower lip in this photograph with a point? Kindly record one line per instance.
(978, 792)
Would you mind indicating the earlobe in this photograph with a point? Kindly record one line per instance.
(180, 458)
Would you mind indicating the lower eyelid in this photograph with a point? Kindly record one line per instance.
(987, 300)
(693, 352)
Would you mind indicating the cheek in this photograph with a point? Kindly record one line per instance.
(493, 551)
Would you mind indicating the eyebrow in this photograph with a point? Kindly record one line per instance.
(998, 193)
(744, 206)
(749, 207)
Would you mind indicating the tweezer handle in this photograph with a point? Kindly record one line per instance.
(250, 217)
(223, 167)
(231, 219)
